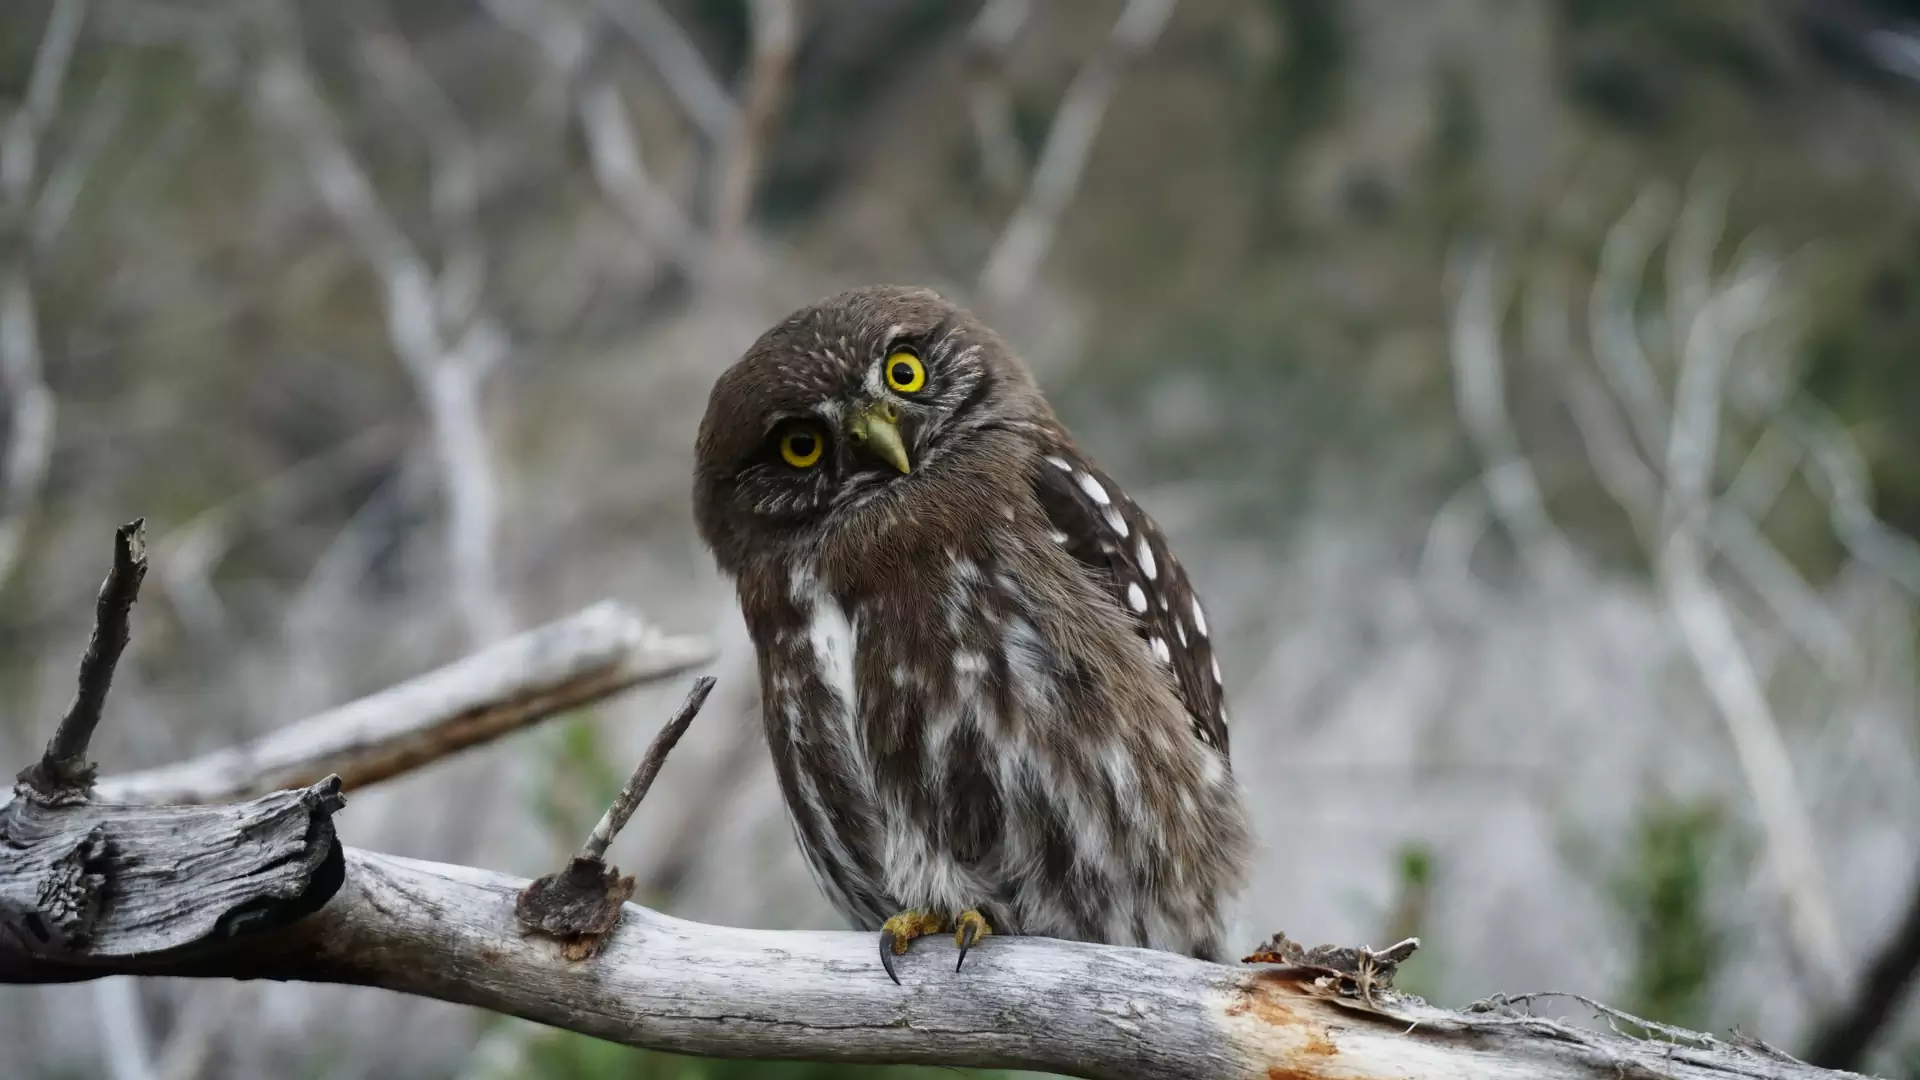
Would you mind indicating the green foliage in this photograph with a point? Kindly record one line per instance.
(579, 782)
(1663, 893)
(1409, 918)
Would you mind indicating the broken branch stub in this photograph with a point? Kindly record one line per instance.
(89, 883)
(63, 774)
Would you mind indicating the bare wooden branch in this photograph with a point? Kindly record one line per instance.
(92, 885)
(635, 789)
(63, 772)
(564, 665)
(1098, 1011)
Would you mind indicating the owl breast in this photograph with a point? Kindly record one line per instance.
(957, 735)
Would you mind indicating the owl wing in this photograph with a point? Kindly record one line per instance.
(1126, 555)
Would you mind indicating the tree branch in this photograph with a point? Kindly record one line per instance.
(575, 661)
(448, 932)
(64, 772)
(635, 789)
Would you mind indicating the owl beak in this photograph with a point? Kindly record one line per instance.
(877, 427)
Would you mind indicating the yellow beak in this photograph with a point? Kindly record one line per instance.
(877, 427)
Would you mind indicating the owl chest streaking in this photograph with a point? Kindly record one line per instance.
(989, 690)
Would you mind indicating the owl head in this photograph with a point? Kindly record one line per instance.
(867, 402)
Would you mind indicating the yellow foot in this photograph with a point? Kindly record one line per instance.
(897, 932)
(968, 928)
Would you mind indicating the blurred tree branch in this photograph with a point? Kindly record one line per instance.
(1654, 426)
(34, 209)
(1023, 243)
(444, 339)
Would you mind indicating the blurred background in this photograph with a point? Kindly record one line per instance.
(1530, 386)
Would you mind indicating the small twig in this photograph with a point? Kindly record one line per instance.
(636, 787)
(581, 904)
(63, 772)
(1649, 1028)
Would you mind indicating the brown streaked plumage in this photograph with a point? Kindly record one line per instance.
(989, 690)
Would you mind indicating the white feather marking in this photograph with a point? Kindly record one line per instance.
(1119, 766)
(1216, 671)
(1058, 536)
(1180, 628)
(1199, 618)
(1136, 598)
(800, 583)
(1213, 770)
(1160, 650)
(1060, 463)
(1115, 521)
(1093, 489)
(1147, 566)
(958, 601)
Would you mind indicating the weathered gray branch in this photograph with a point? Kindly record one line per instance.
(92, 885)
(64, 772)
(1085, 1010)
(575, 661)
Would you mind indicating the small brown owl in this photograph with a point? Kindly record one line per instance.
(988, 687)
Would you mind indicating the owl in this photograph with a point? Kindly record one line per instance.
(989, 690)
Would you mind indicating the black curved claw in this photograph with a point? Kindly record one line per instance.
(886, 956)
(969, 933)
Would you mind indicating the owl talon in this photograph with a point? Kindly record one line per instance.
(898, 932)
(968, 929)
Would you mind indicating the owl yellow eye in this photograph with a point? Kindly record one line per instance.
(905, 373)
(801, 447)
